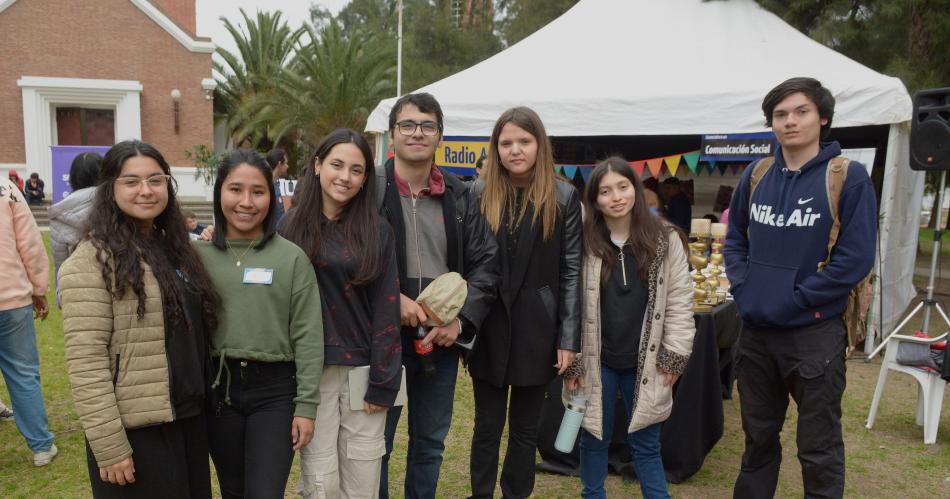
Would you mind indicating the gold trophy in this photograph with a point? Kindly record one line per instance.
(705, 279)
(718, 232)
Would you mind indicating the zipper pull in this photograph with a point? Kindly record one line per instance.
(623, 267)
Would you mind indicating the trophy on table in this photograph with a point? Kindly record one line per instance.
(706, 268)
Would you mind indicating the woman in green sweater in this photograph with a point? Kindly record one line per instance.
(267, 352)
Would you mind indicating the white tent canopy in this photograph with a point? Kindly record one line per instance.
(684, 67)
(647, 67)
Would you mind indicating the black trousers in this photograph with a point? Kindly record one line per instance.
(249, 435)
(171, 460)
(524, 410)
(808, 364)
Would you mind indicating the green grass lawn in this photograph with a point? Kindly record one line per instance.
(890, 461)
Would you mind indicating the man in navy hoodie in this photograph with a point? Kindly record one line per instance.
(794, 339)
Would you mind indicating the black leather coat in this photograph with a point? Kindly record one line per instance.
(539, 304)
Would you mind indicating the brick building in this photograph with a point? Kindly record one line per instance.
(100, 71)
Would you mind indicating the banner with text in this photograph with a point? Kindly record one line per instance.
(459, 154)
(737, 146)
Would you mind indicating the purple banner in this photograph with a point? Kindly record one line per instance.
(62, 159)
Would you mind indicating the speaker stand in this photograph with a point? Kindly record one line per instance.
(928, 304)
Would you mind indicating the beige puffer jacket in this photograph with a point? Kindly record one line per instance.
(666, 340)
(117, 363)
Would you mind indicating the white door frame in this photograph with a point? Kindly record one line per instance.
(42, 95)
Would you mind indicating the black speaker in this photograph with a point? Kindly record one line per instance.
(930, 130)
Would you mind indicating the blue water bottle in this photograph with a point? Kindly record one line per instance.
(571, 423)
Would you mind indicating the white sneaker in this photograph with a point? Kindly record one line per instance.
(43, 458)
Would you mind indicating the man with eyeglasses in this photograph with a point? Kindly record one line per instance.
(439, 230)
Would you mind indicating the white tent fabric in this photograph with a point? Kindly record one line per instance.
(647, 67)
(682, 67)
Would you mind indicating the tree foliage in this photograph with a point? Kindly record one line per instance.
(523, 17)
(433, 46)
(903, 38)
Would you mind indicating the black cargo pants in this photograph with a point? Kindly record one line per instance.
(808, 364)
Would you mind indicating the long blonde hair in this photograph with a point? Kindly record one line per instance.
(499, 194)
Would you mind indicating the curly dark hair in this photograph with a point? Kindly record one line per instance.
(121, 247)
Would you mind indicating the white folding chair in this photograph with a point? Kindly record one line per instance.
(930, 385)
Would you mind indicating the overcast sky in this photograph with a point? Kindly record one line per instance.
(295, 12)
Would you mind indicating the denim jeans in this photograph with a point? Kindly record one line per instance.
(644, 444)
(20, 364)
(430, 416)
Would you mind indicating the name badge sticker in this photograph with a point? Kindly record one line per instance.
(258, 276)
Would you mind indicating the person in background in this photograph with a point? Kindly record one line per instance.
(267, 351)
(791, 290)
(33, 190)
(677, 210)
(638, 326)
(532, 332)
(191, 223)
(354, 254)
(479, 165)
(68, 219)
(277, 160)
(17, 181)
(653, 201)
(137, 303)
(25, 270)
(438, 229)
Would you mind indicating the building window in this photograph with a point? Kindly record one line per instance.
(80, 126)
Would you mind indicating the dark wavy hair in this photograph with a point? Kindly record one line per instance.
(359, 219)
(122, 247)
(84, 170)
(646, 229)
(233, 160)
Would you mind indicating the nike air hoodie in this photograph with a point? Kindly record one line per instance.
(776, 241)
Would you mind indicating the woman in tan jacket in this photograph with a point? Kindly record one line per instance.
(136, 304)
(637, 325)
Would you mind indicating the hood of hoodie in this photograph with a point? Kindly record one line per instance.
(73, 210)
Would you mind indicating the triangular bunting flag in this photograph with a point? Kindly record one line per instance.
(570, 171)
(692, 160)
(722, 169)
(559, 169)
(585, 171)
(734, 168)
(638, 167)
(672, 163)
(654, 165)
(711, 167)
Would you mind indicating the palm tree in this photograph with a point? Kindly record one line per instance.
(333, 81)
(263, 51)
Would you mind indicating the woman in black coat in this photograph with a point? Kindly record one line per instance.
(532, 332)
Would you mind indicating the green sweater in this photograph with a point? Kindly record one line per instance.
(276, 322)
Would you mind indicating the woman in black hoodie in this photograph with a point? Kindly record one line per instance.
(353, 252)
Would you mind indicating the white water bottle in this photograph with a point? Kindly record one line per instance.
(571, 423)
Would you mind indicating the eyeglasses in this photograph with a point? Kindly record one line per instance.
(154, 182)
(408, 127)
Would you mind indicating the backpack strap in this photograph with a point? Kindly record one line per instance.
(835, 176)
(380, 187)
(759, 169)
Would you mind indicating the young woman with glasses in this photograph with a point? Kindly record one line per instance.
(137, 303)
